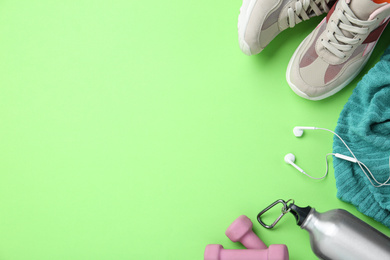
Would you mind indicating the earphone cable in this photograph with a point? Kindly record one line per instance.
(326, 172)
(361, 165)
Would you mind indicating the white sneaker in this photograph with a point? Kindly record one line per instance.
(337, 50)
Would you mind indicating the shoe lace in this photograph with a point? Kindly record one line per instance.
(344, 33)
(304, 9)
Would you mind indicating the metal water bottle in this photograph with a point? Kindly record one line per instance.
(337, 234)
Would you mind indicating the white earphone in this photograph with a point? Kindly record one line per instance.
(290, 158)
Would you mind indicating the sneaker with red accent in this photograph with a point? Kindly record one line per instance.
(260, 21)
(337, 50)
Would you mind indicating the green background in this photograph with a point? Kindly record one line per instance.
(138, 130)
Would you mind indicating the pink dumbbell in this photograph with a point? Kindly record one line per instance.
(241, 231)
(273, 252)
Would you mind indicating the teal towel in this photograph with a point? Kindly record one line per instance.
(364, 124)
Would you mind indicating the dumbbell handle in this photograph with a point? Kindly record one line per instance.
(241, 231)
(252, 241)
(274, 252)
(246, 254)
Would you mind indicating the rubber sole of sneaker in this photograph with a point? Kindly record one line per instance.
(243, 19)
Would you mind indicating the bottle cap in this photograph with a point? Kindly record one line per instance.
(299, 213)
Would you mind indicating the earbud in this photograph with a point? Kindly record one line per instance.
(298, 130)
(290, 159)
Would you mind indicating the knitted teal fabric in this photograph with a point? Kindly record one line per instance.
(364, 124)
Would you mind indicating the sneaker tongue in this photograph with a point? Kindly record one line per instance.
(363, 8)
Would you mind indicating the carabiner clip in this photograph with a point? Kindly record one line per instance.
(285, 210)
